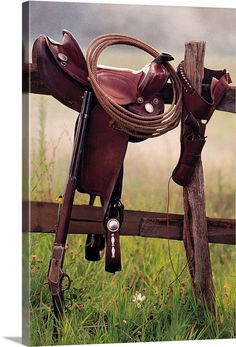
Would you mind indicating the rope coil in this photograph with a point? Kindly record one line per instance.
(129, 122)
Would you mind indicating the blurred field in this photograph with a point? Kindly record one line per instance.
(148, 165)
(103, 310)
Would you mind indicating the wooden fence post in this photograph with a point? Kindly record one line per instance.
(195, 233)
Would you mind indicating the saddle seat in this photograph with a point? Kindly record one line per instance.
(126, 86)
(121, 84)
(140, 89)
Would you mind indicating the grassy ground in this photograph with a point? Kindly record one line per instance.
(103, 307)
(103, 310)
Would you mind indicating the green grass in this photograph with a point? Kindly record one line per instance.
(102, 308)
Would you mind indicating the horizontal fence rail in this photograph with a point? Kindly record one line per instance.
(33, 84)
(41, 217)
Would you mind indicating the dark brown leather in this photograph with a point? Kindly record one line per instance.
(116, 210)
(75, 65)
(120, 84)
(191, 148)
(63, 69)
(103, 155)
(94, 247)
(68, 79)
(62, 86)
(135, 88)
(193, 129)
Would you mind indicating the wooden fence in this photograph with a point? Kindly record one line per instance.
(194, 228)
(33, 84)
(89, 219)
(136, 223)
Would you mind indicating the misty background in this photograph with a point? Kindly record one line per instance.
(166, 28)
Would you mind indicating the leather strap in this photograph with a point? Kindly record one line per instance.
(194, 103)
(112, 223)
(95, 244)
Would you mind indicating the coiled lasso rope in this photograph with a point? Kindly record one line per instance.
(129, 122)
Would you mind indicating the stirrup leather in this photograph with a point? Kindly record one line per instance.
(112, 224)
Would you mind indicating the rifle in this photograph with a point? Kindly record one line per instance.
(56, 275)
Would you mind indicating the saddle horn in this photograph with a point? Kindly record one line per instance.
(163, 58)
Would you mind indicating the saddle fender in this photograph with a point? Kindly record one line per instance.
(102, 158)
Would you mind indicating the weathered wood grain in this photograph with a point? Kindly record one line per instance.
(41, 217)
(33, 84)
(195, 232)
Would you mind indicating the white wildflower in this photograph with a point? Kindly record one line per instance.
(138, 298)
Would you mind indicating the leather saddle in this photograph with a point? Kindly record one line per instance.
(65, 62)
(63, 69)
